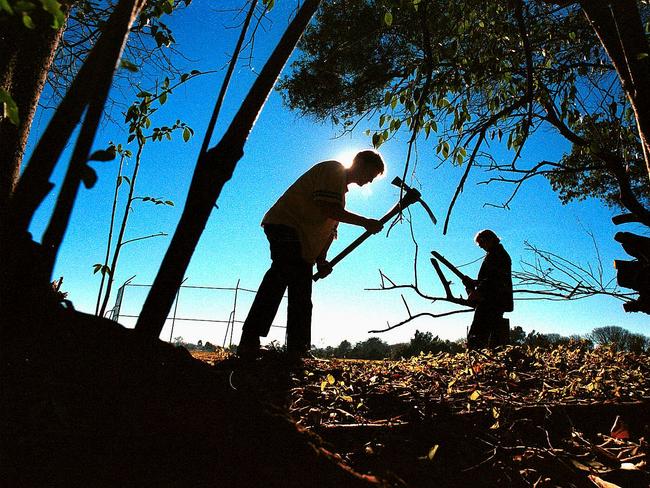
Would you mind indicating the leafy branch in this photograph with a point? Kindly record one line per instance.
(138, 117)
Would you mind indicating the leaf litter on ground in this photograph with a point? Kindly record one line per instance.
(518, 448)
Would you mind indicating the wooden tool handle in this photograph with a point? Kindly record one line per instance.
(409, 198)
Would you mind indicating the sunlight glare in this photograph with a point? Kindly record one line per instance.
(346, 157)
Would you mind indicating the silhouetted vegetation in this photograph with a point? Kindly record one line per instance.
(426, 343)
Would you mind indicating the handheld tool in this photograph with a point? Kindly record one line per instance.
(410, 196)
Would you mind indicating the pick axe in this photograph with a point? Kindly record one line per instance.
(410, 196)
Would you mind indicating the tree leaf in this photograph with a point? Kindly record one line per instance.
(28, 22)
(186, 134)
(128, 65)
(9, 107)
(4, 5)
(103, 155)
(388, 19)
(88, 176)
(54, 8)
(432, 452)
(376, 140)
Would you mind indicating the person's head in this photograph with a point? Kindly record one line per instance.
(486, 239)
(366, 166)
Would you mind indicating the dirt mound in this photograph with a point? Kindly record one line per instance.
(86, 402)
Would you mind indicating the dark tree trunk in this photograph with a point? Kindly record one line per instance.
(620, 31)
(213, 169)
(25, 266)
(25, 59)
(619, 28)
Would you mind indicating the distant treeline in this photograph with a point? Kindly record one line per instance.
(426, 342)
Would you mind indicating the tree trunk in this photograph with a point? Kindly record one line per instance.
(25, 59)
(620, 31)
(213, 169)
(24, 269)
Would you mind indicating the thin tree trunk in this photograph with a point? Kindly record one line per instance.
(620, 31)
(26, 272)
(213, 169)
(26, 56)
(226, 80)
(34, 184)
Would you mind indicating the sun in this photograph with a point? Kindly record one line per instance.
(345, 157)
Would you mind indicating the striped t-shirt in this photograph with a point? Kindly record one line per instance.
(297, 208)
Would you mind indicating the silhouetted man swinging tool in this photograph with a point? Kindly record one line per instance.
(490, 294)
(300, 227)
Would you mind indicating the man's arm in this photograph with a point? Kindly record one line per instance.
(322, 264)
(338, 213)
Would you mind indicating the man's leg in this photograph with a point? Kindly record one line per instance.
(299, 308)
(501, 335)
(486, 329)
(266, 303)
(481, 329)
(271, 290)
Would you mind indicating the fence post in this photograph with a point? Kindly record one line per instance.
(234, 312)
(115, 311)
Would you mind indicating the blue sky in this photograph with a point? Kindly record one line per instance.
(281, 147)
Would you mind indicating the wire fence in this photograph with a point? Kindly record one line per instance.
(209, 301)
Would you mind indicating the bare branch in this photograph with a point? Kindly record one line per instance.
(417, 316)
(159, 234)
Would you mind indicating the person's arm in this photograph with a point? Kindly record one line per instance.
(322, 264)
(338, 213)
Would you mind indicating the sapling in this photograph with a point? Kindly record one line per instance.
(138, 117)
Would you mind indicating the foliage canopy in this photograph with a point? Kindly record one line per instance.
(473, 74)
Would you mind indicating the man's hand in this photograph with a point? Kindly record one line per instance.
(373, 225)
(474, 299)
(469, 283)
(324, 268)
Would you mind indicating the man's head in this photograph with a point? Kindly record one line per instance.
(366, 166)
(487, 239)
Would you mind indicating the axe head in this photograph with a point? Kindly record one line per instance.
(412, 196)
(397, 181)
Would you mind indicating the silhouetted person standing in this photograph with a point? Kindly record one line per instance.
(300, 227)
(490, 294)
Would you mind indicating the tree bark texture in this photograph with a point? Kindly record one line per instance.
(619, 28)
(214, 168)
(26, 56)
(25, 269)
(34, 185)
(620, 31)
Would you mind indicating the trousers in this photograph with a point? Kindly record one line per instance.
(290, 273)
(488, 329)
